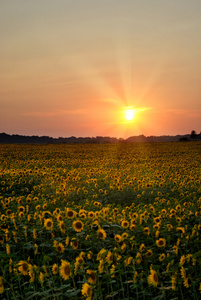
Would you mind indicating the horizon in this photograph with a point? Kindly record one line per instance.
(77, 68)
(97, 136)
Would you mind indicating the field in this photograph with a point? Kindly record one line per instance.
(118, 221)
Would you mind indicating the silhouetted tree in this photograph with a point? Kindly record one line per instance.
(193, 135)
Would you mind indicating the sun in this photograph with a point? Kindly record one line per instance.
(129, 114)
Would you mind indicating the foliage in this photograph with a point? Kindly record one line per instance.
(118, 221)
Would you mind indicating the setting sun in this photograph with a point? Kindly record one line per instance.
(130, 114)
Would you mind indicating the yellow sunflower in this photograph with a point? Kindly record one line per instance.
(102, 234)
(92, 279)
(153, 278)
(161, 242)
(65, 270)
(78, 226)
(62, 226)
(48, 224)
(60, 248)
(1, 285)
(125, 224)
(74, 244)
(87, 291)
(117, 238)
(23, 267)
(109, 257)
(149, 253)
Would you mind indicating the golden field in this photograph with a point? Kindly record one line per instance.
(110, 221)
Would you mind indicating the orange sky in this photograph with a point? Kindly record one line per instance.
(71, 67)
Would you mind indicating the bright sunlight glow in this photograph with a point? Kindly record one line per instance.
(130, 113)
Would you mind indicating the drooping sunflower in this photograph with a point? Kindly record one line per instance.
(62, 226)
(67, 240)
(112, 270)
(78, 226)
(48, 224)
(161, 242)
(92, 279)
(1, 285)
(74, 244)
(153, 278)
(87, 291)
(1, 239)
(101, 266)
(55, 269)
(109, 258)
(23, 267)
(65, 269)
(102, 234)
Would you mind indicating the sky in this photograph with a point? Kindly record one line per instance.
(72, 68)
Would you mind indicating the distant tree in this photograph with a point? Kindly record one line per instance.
(193, 135)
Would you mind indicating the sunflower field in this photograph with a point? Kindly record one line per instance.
(107, 221)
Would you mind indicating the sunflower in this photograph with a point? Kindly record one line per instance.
(60, 248)
(87, 291)
(21, 214)
(102, 234)
(41, 277)
(1, 239)
(8, 249)
(142, 247)
(74, 244)
(149, 253)
(92, 279)
(78, 226)
(146, 230)
(91, 214)
(67, 240)
(117, 238)
(153, 278)
(112, 270)
(174, 281)
(80, 260)
(65, 270)
(101, 266)
(109, 257)
(21, 209)
(70, 213)
(31, 273)
(132, 227)
(124, 235)
(125, 224)
(161, 242)
(23, 267)
(48, 224)
(128, 261)
(138, 258)
(62, 226)
(1, 285)
(156, 226)
(162, 257)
